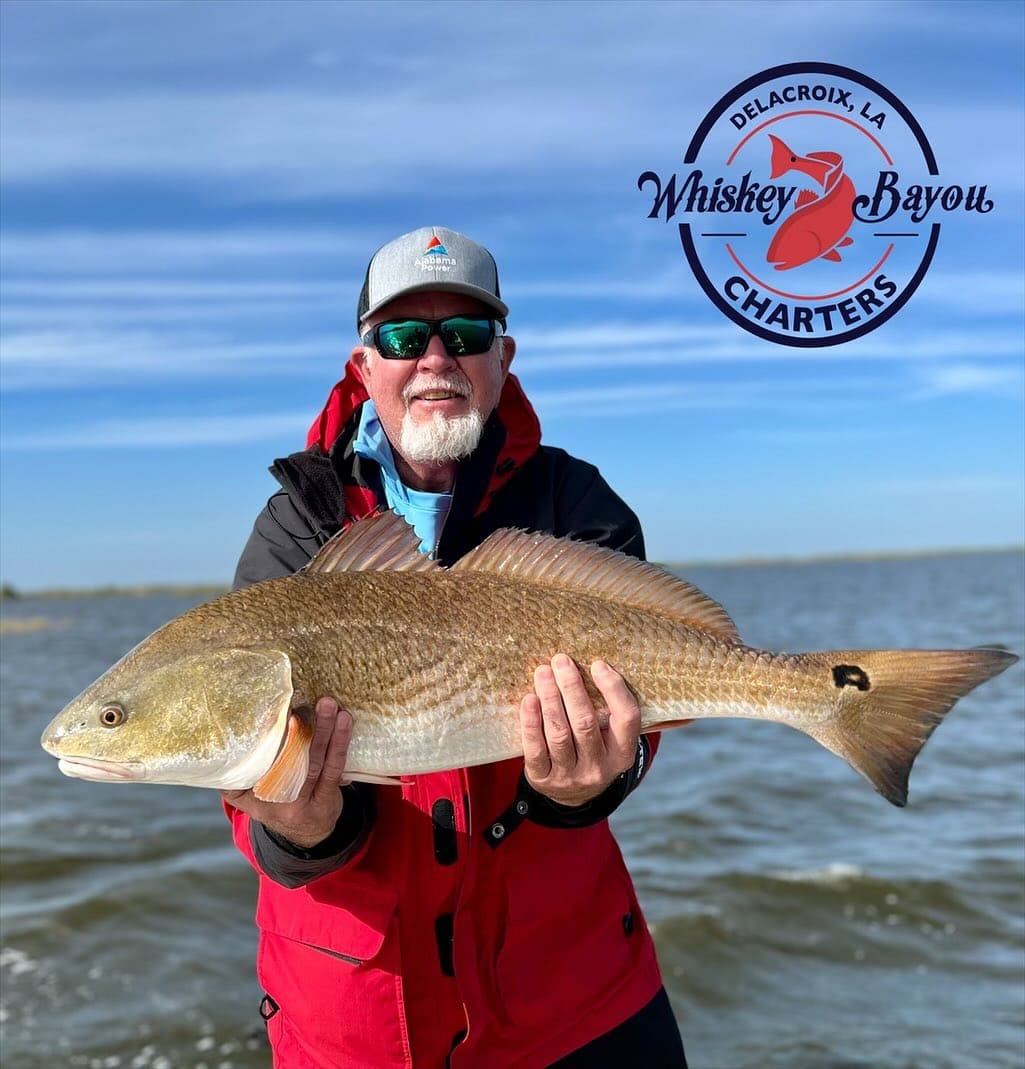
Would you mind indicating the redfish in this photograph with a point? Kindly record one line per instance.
(432, 663)
(818, 225)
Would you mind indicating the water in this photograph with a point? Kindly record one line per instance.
(801, 921)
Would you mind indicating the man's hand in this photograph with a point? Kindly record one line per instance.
(568, 756)
(312, 817)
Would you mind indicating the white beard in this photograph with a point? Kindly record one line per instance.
(442, 438)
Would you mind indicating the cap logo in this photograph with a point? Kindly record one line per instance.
(435, 257)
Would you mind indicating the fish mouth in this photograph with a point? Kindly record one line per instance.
(91, 768)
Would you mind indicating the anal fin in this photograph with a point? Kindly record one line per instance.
(833, 256)
(665, 724)
(843, 244)
(371, 777)
(284, 779)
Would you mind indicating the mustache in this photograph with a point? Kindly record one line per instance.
(423, 383)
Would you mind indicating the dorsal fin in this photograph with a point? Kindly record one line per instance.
(563, 564)
(806, 196)
(381, 543)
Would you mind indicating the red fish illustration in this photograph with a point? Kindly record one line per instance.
(818, 224)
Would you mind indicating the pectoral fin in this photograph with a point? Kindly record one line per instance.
(284, 779)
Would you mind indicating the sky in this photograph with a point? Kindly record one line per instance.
(190, 193)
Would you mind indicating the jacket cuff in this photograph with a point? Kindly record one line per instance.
(294, 866)
(550, 814)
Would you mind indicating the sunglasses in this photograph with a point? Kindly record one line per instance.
(407, 339)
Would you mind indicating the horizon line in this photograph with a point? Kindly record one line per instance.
(9, 592)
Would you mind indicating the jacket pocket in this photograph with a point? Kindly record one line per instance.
(348, 922)
(329, 958)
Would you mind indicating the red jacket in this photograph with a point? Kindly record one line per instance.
(462, 933)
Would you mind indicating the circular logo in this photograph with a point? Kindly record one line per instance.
(809, 208)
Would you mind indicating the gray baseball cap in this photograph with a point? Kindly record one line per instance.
(431, 258)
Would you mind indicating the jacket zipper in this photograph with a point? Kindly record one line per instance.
(441, 531)
(334, 953)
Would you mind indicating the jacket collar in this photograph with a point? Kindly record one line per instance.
(514, 428)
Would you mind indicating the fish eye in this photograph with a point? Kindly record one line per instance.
(112, 716)
(793, 159)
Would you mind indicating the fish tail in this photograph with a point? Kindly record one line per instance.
(782, 157)
(890, 701)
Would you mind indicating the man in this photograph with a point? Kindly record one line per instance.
(480, 918)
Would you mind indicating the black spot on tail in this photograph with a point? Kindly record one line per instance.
(850, 675)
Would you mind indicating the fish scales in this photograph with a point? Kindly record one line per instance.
(450, 657)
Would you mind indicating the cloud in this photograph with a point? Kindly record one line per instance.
(817, 434)
(950, 484)
(674, 284)
(168, 432)
(612, 344)
(955, 379)
(586, 402)
(80, 345)
(45, 360)
(297, 143)
(149, 97)
(127, 254)
(160, 290)
(293, 143)
(980, 293)
(815, 395)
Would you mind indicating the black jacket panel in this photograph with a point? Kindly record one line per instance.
(553, 492)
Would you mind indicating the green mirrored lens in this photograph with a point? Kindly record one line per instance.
(462, 336)
(403, 339)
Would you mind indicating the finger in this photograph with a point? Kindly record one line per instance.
(536, 760)
(558, 733)
(580, 711)
(245, 802)
(324, 713)
(337, 754)
(624, 714)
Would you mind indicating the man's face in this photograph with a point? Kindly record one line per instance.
(435, 386)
